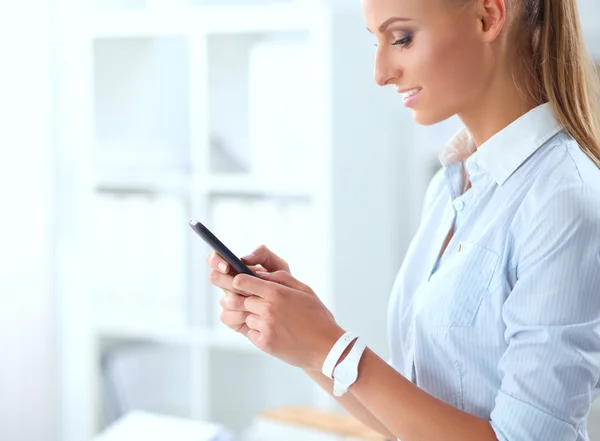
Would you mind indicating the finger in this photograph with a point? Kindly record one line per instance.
(267, 258)
(225, 282)
(254, 322)
(217, 263)
(258, 268)
(243, 330)
(232, 302)
(221, 280)
(256, 305)
(257, 286)
(254, 337)
(286, 279)
(234, 319)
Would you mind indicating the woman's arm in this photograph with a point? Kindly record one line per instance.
(351, 404)
(409, 412)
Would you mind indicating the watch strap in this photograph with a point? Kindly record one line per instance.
(335, 353)
(350, 363)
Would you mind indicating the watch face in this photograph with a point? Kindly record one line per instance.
(346, 374)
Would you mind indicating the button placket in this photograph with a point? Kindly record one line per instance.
(411, 351)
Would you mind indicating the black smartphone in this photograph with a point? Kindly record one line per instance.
(220, 248)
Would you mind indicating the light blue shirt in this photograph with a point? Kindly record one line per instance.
(506, 326)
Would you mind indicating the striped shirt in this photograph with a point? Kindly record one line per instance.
(506, 324)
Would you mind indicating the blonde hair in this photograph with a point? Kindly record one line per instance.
(562, 69)
(565, 75)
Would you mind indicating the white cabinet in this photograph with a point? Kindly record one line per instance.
(261, 120)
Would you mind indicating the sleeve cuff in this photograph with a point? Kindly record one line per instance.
(515, 420)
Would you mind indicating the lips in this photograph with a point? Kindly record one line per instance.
(407, 93)
(410, 95)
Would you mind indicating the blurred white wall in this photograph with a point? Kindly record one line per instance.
(28, 350)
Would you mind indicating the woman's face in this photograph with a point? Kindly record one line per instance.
(434, 49)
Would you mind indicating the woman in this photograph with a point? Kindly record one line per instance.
(494, 318)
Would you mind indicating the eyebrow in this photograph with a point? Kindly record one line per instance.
(388, 22)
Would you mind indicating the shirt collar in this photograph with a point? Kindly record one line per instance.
(507, 150)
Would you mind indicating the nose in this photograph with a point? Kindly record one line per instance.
(385, 72)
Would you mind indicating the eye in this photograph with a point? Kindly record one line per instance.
(405, 41)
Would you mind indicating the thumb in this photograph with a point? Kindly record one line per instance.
(267, 259)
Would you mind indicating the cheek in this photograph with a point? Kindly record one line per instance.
(453, 65)
(452, 74)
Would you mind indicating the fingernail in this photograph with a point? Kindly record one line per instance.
(223, 267)
(249, 256)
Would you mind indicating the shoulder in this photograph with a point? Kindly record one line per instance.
(566, 188)
(566, 165)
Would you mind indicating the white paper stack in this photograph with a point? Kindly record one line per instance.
(137, 426)
(301, 424)
(280, 101)
(139, 262)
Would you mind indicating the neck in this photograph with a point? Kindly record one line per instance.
(502, 104)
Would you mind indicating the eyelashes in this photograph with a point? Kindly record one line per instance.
(402, 42)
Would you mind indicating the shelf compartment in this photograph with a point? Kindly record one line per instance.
(141, 106)
(147, 377)
(138, 261)
(260, 104)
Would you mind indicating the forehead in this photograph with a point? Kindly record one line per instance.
(408, 8)
(429, 12)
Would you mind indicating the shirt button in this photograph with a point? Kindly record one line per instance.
(459, 205)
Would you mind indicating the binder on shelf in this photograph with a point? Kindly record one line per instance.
(280, 99)
(139, 261)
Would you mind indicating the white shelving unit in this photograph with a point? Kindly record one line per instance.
(162, 119)
(159, 120)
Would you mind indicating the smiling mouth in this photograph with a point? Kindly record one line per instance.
(409, 93)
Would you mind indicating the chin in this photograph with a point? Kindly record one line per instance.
(428, 117)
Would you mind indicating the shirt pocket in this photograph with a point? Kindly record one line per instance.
(455, 290)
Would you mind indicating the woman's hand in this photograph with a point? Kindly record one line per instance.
(279, 314)
(234, 314)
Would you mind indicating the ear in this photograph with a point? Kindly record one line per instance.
(492, 17)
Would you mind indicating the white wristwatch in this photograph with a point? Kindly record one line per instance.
(346, 373)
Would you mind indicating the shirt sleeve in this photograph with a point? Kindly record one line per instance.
(552, 316)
